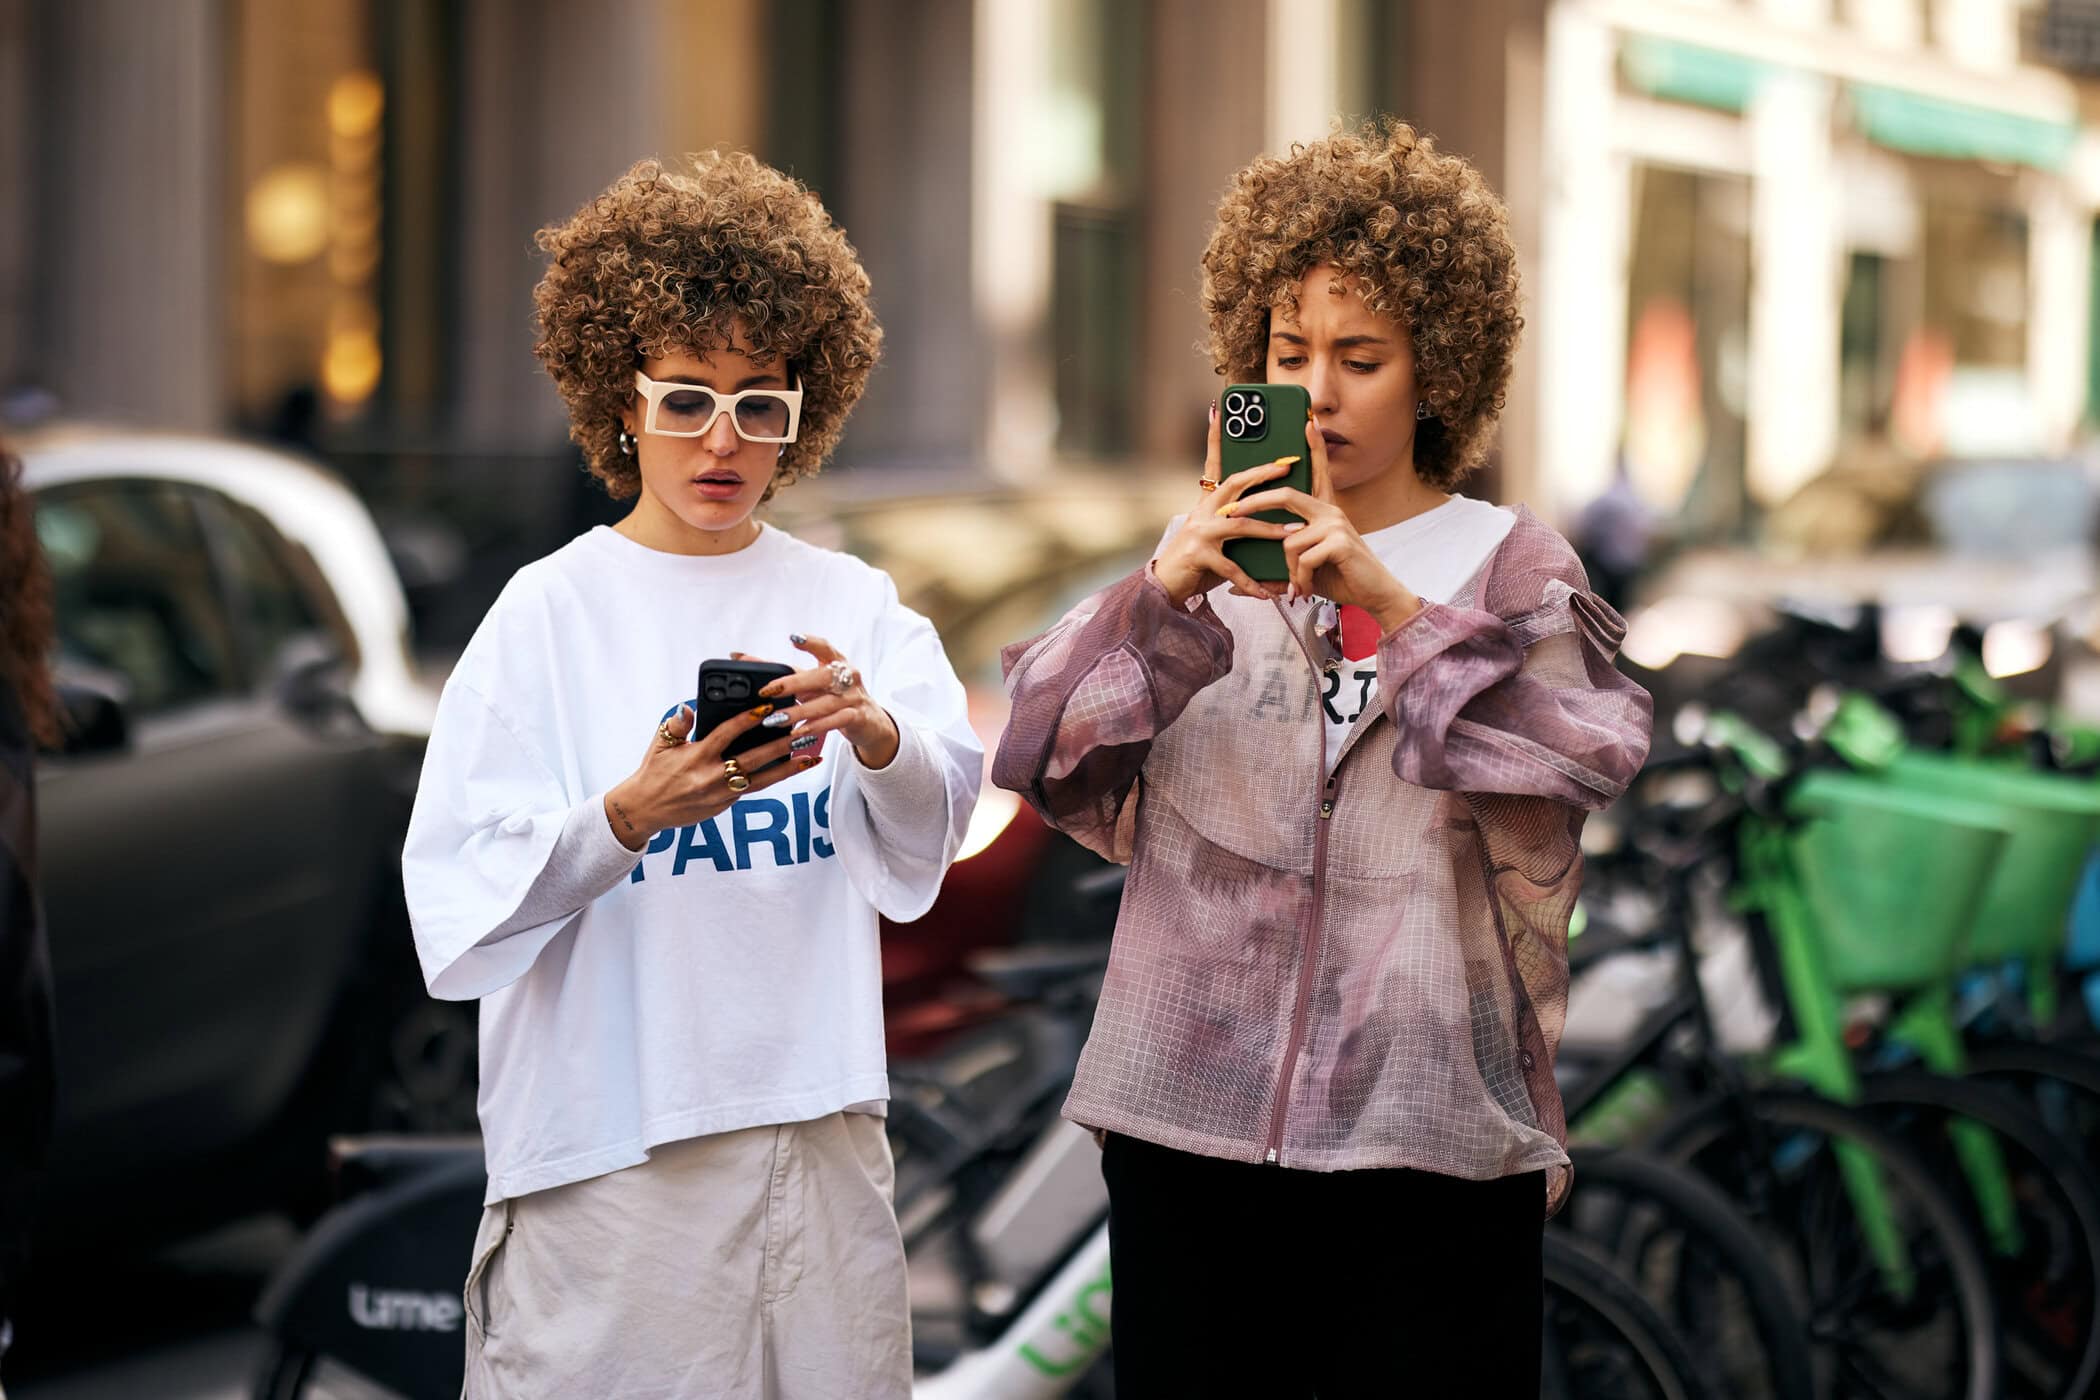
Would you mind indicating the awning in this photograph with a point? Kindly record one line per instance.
(1892, 117)
(1928, 126)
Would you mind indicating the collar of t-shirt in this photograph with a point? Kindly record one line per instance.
(1435, 554)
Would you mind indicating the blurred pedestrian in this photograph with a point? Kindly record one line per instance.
(682, 1071)
(28, 718)
(1323, 1055)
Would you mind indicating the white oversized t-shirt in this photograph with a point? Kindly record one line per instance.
(730, 975)
(1435, 554)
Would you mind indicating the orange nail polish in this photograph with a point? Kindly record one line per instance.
(761, 711)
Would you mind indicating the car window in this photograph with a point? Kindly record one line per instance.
(269, 606)
(135, 593)
(2010, 509)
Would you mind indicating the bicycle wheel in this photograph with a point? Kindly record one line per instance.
(1693, 1255)
(2049, 1288)
(1601, 1337)
(2059, 1083)
(1774, 1153)
(294, 1374)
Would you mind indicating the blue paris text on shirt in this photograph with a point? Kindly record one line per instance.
(788, 828)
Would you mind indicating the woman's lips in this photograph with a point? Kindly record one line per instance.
(1334, 439)
(718, 487)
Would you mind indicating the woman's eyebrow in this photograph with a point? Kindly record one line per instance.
(1344, 342)
(751, 381)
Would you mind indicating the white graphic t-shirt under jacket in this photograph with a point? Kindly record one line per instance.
(1434, 554)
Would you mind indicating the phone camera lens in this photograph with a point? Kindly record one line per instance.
(1236, 426)
(739, 688)
(714, 690)
(1256, 415)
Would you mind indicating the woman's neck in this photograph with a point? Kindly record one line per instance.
(656, 526)
(1394, 495)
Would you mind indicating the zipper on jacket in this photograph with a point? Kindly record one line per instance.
(1308, 954)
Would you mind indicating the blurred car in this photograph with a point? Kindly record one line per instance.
(221, 835)
(990, 568)
(1998, 548)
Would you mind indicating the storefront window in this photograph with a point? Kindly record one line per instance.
(309, 124)
(1686, 361)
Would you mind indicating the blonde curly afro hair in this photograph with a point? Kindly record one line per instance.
(681, 259)
(1418, 231)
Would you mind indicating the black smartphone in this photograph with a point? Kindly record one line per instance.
(1258, 423)
(728, 689)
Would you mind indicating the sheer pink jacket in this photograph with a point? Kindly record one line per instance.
(1331, 970)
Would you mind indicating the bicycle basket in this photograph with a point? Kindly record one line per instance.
(2051, 822)
(1892, 877)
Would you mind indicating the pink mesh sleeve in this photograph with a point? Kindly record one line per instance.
(1091, 694)
(1519, 695)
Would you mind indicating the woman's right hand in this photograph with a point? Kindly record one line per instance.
(680, 783)
(1193, 561)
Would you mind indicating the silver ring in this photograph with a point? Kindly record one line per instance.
(843, 677)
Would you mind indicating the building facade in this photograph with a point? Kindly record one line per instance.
(1755, 233)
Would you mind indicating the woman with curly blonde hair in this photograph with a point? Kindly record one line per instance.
(682, 1068)
(1322, 1064)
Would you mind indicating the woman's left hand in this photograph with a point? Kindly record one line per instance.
(1328, 558)
(821, 705)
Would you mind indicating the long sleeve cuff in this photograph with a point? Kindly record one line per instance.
(587, 860)
(908, 797)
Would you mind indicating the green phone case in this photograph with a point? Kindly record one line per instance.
(1258, 423)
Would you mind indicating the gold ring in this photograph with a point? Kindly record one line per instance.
(738, 782)
(663, 732)
(730, 767)
(1206, 483)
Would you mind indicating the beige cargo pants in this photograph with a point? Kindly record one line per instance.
(756, 1265)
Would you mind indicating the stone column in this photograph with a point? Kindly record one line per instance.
(1205, 118)
(131, 216)
(19, 133)
(1578, 298)
(1796, 286)
(2059, 307)
(902, 188)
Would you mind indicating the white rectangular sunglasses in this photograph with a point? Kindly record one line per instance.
(689, 410)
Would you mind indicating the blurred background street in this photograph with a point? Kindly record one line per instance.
(1811, 322)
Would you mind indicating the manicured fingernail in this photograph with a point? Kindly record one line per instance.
(761, 710)
(1213, 410)
(1290, 529)
(770, 691)
(1226, 509)
(808, 761)
(806, 742)
(797, 638)
(778, 721)
(1284, 462)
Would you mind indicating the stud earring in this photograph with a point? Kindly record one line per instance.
(1422, 411)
